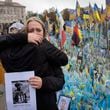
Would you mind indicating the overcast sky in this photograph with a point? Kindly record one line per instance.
(41, 5)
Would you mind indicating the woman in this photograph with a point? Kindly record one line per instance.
(45, 59)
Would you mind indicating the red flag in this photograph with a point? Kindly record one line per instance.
(77, 36)
(61, 28)
(63, 38)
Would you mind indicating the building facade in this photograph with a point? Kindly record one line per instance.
(10, 12)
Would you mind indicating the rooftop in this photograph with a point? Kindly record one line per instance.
(15, 4)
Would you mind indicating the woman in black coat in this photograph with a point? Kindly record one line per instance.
(44, 58)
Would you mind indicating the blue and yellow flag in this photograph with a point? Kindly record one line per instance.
(77, 9)
(96, 13)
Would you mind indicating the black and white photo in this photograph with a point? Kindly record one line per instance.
(20, 91)
(19, 94)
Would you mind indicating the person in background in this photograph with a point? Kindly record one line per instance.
(44, 58)
(15, 27)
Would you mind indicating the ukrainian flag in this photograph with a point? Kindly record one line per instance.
(96, 13)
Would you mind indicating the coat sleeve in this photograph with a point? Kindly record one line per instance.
(53, 83)
(55, 55)
(12, 40)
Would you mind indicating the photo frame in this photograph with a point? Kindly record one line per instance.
(58, 93)
(64, 102)
(19, 94)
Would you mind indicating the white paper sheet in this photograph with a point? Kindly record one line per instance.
(19, 94)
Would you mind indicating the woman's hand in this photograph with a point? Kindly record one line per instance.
(35, 38)
(35, 82)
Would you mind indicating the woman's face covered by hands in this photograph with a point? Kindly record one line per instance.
(35, 29)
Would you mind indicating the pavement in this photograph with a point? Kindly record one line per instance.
(2, 98)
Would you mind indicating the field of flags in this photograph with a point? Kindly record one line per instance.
(85, 36)
(86, 40)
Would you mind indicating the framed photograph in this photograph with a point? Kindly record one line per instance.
(58, 93)
(64, 102)
(19, 94)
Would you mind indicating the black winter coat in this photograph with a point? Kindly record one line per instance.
(45, 59)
